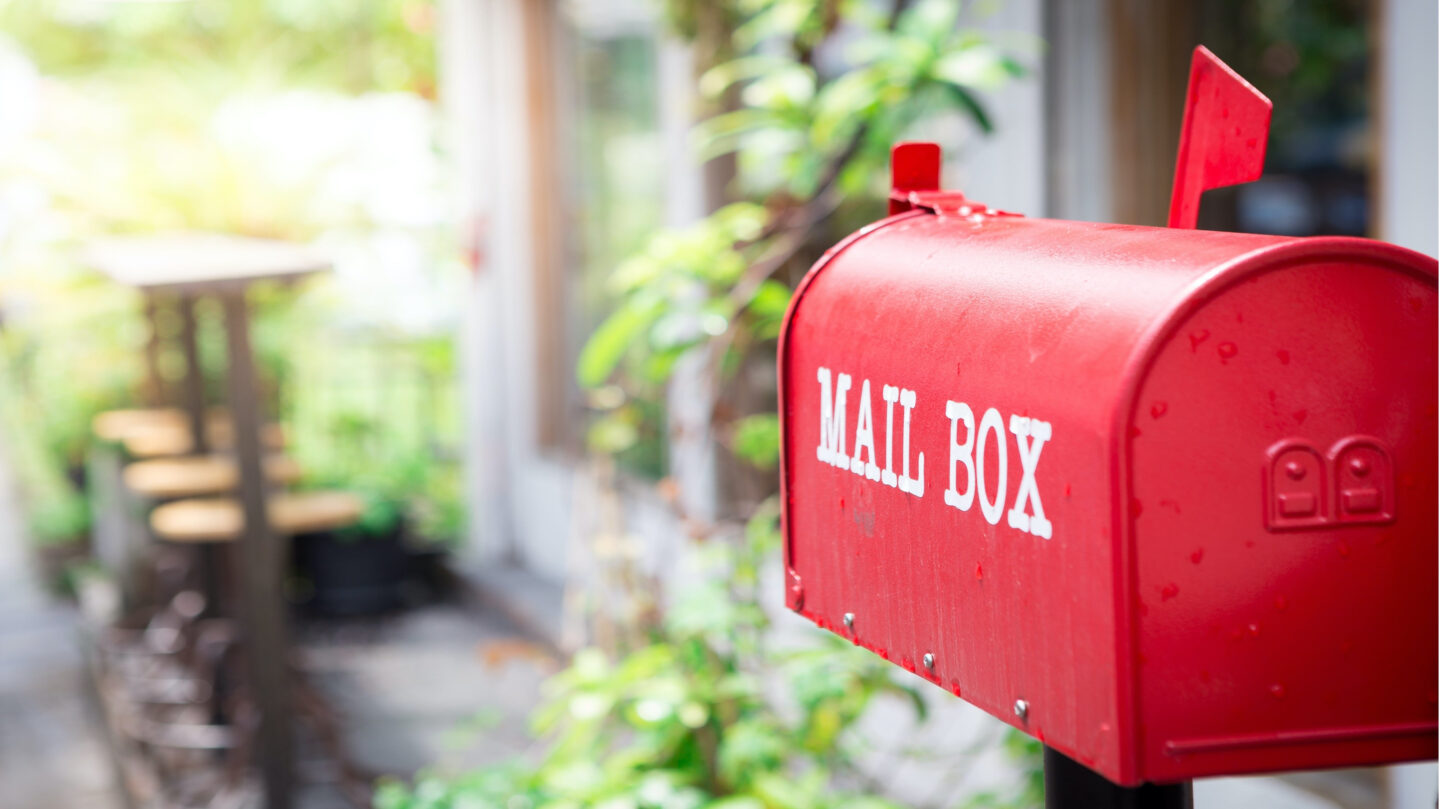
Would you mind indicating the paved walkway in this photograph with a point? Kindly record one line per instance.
(444, 685)
(52, 751)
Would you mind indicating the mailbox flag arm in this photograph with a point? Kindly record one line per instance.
(1222, 138)
(914, 166)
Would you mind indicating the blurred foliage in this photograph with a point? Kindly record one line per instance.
(707, 710)
(393, 441)
(349, 45)
(76, 354)
(697, 705)
(1311, 59)
(309, 121)
(685, 719)
(810, 103)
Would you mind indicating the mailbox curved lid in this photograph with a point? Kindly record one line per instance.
(1061, 322)
(1066, 311)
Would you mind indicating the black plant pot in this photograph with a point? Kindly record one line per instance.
(352, 576)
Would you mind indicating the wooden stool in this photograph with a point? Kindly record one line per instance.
(196, 476)
(165, 431)
(160, 440)
(115, 426)
(220, 519)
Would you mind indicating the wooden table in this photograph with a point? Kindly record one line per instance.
(191, 265)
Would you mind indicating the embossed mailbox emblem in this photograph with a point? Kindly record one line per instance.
(1164, 499)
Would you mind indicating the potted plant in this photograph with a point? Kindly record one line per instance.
(359, 569)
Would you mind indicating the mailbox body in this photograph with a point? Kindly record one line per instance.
(1232, 439)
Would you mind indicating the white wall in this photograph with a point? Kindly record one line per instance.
(1407, 124)
(1007, 170)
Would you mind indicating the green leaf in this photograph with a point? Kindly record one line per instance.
(605, 348)
(749, 749)
(980, 66)
(719, 78)
(771, 299)
(723, 133)
(930, 20)
(757, 440)
(790, 86)
(967, 101)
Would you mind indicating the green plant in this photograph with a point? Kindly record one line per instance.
(683, 718)
(125, 143)
(811, 140)
(62, 517)
(373, 416)
(682, 711)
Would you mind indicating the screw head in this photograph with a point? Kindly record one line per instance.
(1295, 470)
(1022, 709)
(1360, 467)
(849, 620)
(929, 661)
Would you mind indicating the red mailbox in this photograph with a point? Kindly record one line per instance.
(1164, 499)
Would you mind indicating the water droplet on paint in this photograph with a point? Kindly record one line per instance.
(1169, 591)
(1198, 337)
(1197, 556)
(1158, 409)
(979, 573)
(1281, 603)
(1254, 630)
(1277, 691)
(1283, 356)
(1227, 351)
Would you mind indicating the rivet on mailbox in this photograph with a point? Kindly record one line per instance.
(1154, 442)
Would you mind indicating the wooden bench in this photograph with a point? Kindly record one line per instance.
(165, 431)
(220, 519)
(199, 475)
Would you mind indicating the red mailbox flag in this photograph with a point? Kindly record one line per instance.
(1222, 140)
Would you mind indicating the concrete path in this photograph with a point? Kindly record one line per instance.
(443, 686)
(52, 748)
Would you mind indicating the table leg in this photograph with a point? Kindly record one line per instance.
(194, 384)
(154, 380)
(261, 568)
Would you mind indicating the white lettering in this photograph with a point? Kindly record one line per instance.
(832, 420)
(909, 485)
(891, 395)
(865, 437)
(960, 413)
(991, 423)
(1039, 432)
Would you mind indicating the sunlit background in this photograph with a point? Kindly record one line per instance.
(559, 236)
